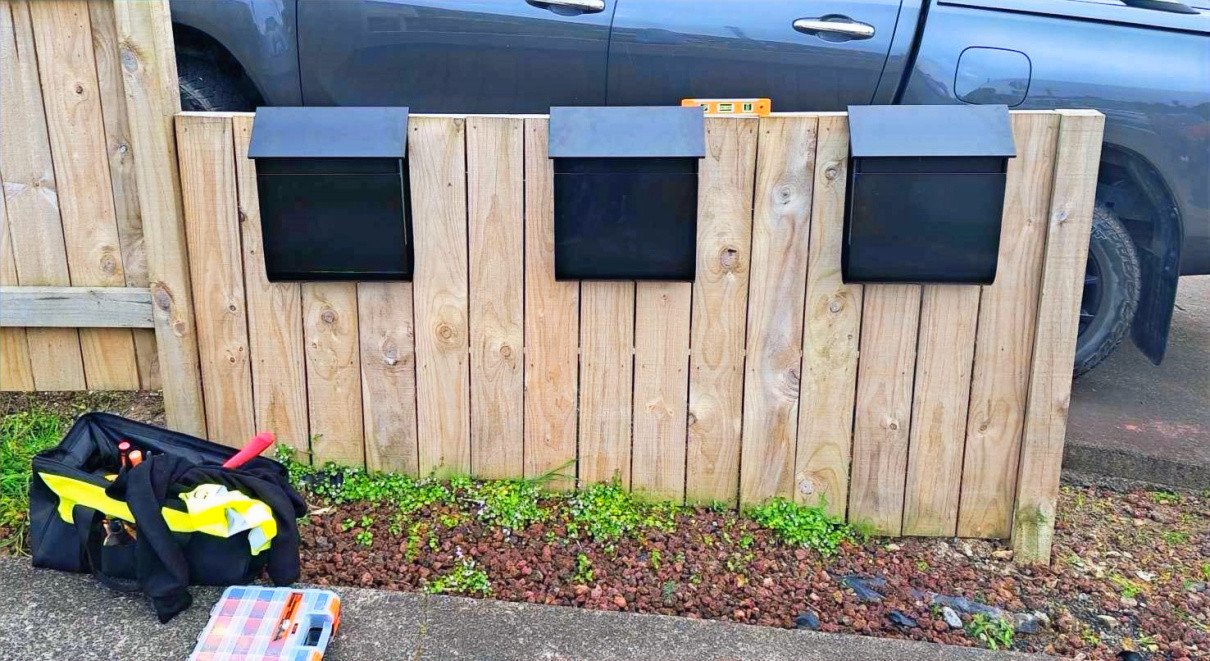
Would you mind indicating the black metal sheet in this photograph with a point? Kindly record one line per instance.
(627, 132)
(313, 132)
(955, 130)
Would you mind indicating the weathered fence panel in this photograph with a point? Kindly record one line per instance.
(934, 410)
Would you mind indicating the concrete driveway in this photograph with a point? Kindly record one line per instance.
(1134, 420)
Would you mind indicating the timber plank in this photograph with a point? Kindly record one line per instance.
(122, 176)
(785, 164)
(606, 381)
(36, 231)
(152, 100)
(388, 376)
(275, 321)
(889, 323)
(946, 345)
(76, 307)
(830, 336)
(1007, 311)
(1070, 221)
(495, 163)
(661, 388)
(16, 372)
(720, 306)
(206, 148)
(71, 94)
(437, 158)
(552, 326)
(333, 373)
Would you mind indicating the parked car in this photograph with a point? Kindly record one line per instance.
(1144, 63)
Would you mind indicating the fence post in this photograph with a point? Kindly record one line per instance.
(152, 100)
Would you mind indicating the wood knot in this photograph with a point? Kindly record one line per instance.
(79, 89)
(831, 173)
(129, 61)
(835, 305)
(232, 308)
(692, 419)
(506, 351)
(1061, 216)
(123, 148)
(161, 297)
(445, 332)
(728, 259)
(328, 316)
(390, 354)
(784, 193)
(109, 265)
(892, 424)
(243, 215)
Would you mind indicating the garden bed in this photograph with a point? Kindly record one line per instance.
(1129, 570)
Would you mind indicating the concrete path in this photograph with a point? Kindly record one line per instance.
(54, 616)
(1133, 420)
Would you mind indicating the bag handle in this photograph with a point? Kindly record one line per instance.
(85, 520)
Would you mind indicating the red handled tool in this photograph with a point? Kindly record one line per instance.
(254, 447)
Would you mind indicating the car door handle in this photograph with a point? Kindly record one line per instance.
(834, 25)
(583, 6)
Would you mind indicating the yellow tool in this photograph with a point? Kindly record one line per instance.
(732, 107)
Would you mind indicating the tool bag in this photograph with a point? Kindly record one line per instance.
(175, 519)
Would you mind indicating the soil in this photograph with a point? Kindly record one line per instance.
(147, 406)
(1129, 569)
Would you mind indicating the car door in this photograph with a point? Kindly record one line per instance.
(803, 54)
(456, 56)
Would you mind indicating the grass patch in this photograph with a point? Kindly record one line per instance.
(802, 525)
(22, 435)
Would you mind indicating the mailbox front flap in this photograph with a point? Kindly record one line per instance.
(627, 132)
(280, 132)
(895, 131)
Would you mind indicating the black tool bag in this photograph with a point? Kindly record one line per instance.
(175, 519)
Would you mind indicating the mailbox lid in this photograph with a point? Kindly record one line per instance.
(891, 131)
(313, 132)
(627, 132)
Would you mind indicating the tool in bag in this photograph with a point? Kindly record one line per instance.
(251, 622)
(162, 519)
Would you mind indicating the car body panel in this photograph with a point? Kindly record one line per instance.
(662, 52)
(488, 56)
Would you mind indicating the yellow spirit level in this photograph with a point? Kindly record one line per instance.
(732, 107)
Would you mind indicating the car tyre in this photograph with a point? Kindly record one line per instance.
(206, 86)
(1111, 290)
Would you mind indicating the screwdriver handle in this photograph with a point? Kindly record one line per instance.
(254, 447)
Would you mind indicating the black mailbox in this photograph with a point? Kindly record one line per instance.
(626, 191)
(926, 193)
(333, 189)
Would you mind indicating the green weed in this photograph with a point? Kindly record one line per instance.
(655, 559)
(466, 578)
(364, 537)
(802, 525)
(1174, 538)
(584, 573)
(22, 435)
(607, 511)
(669, 591)
(994, 632)
(511, 504)
(1129, 588)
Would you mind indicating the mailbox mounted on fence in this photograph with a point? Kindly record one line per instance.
(925, 193)
(333, 189)
(626, 192)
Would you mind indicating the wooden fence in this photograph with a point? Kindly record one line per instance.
(920, 410)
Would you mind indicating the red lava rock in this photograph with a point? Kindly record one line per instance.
(580, 590)
(940, 625)
(619, 601)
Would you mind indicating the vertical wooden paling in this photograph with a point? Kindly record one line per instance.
(388, 375)
(829, 337)
(948, 316)
(70, 92)
(785, 170)
(720, 307)
(206, 148)
(32, 199)
(1069, 224)
(152, 100)
(661, 388)
(16, 373)
(122, 176)
(606, 381)
(495, 162)
(889, 323)
(552, 325)
(275, 333)
(1007, 309)
(333, 372)
(437, 156)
